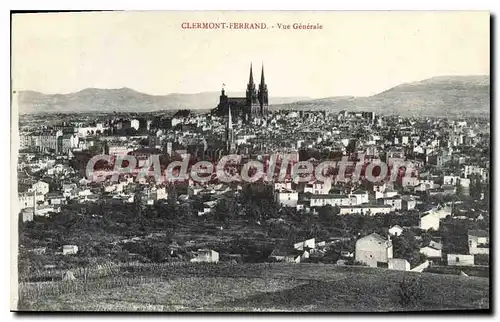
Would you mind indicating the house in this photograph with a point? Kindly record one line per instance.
(27, 214)
(361, 196)
(69, 249)
(296, 256)
(474, 169)
(429, 221)
(373, 250)
(409, 203)
(478, 241)
(320, 200)
(29, 199)
(318, 187)
(321, 244)
(40, 187)
(379, 187)
(55, 198)
(407, 181)
(365, 209)
(44, 210)
(390, 193)
(431, 218)
(460, 260)
(396, 230)
(205, 255)
(451, 180)
(288, 254)
(306, 244)
(432, 250)
(287, 198)
(399, 264)
(282, 185)
(395, 202)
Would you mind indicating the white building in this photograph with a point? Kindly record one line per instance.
(432, 218)
(287, 198)
(479, 242)
(206, 255)
(41, 187)
(373, 249)
(361, 196)
(365, 209)
(460, 260)
(318, 187)
(451, 180)
(395, 202)
(28, 199)
(396, 230)
(399, 264)
(332, 200)
(473, 169)
(308, 243)
(433, 250)
(429, 221)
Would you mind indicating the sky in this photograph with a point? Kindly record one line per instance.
(356, 53)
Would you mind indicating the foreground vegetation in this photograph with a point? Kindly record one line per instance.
(250, 287)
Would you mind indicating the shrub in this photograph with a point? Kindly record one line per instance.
(410, 292)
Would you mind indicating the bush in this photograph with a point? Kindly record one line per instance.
(410, 292)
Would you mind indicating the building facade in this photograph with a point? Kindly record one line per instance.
(373, 250)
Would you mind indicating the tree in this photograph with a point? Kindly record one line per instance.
(224, 210)
(459, 189)
(326, 214)
(406, 246)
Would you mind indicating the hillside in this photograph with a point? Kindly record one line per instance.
(437, 96)
(122, 100)
(255, 287)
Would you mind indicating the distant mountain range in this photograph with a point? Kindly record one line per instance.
(123, 100)
(437, 96)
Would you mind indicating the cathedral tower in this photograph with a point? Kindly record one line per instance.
(263, 95)
(253, 106)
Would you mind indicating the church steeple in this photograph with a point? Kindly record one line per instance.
(252, 101)
(250, 81)
(263, 95)
(262, 81)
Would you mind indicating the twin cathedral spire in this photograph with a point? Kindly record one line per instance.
(254, 107)
(251, 108)
(258, 101)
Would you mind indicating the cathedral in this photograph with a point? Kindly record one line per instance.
(253, 107)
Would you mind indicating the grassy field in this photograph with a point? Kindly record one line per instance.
(253, 287)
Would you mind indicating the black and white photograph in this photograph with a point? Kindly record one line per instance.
(251, 161)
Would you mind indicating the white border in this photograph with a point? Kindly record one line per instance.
(491, 5)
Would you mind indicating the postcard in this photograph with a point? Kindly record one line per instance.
(251, 161)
